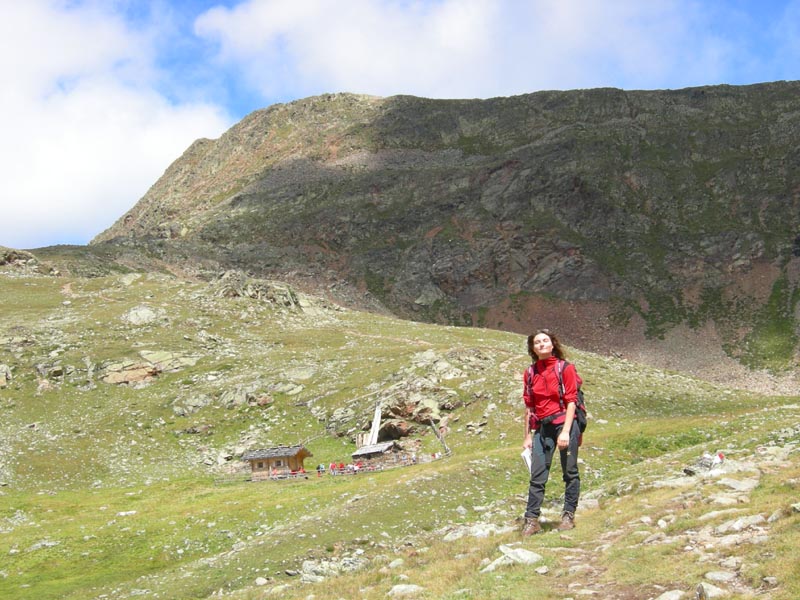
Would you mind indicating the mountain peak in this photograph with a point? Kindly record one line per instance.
(617, 215)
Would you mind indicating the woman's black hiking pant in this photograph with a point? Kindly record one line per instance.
(544, 446)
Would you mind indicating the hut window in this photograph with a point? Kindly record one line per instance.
(279, 463)
(260, 465)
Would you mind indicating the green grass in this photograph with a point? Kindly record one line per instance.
(772, 343)
(78, 460)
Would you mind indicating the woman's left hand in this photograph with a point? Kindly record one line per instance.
(563, 440)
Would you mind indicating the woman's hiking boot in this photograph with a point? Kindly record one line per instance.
(567, 521)
(531, 526)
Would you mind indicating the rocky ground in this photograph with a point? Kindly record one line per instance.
(699, 354)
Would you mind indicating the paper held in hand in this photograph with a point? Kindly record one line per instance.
(526, 458)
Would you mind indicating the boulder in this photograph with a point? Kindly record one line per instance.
(720, 576)
(128, 372)
(143, 315)
(300, 373)
(740, 524)
(395, 429)
(186, 406)
(513, 556)
(234, 284)
(18, 259)
(342, 415)
(239, 396)
(405, 590)
(5, 375)
(740, 485)
(168, 361)
(672, 595)
(478, 530)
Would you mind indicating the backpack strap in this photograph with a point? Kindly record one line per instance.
(532, 370)
(530, 416)
(560, 366)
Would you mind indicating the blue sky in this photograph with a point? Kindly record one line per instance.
(100, 96)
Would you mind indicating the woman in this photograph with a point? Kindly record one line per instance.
(549, 426)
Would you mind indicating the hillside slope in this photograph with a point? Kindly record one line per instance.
(620, 217)
(128, 400)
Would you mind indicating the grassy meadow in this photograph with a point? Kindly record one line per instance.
(109, 491)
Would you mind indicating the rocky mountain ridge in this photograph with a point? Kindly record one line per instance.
(621, 218)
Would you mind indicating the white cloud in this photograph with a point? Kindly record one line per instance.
(465, 48)
(482, 48)
(85, 132)
(433, 49)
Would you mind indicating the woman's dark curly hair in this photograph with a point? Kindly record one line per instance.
(558, 351)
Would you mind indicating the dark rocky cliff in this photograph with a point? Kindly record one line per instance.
(627, 219)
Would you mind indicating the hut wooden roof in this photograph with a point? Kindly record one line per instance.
(279, 452)
(374, 449)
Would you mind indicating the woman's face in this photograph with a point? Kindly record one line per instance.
(543, 346)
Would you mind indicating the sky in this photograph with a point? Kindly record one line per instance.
(99, 97)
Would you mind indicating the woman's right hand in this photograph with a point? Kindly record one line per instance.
(527, 443)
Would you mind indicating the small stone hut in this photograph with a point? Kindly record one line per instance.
(384, 454)
(276, 463)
